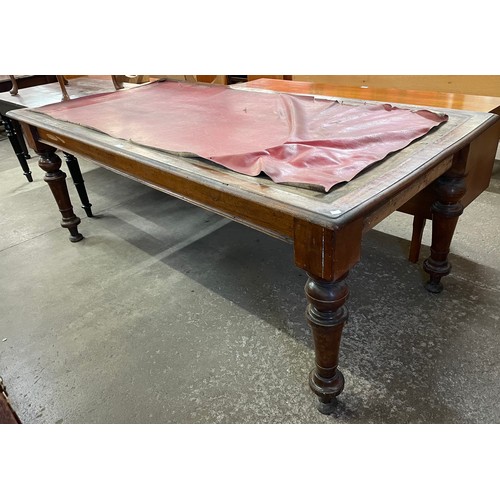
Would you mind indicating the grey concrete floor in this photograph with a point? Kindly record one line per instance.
(166, 313)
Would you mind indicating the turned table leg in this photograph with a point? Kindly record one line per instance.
(450, 189)
(56, 179)
(326, 315)
(16, 146)
(76, 175)
(327, 255)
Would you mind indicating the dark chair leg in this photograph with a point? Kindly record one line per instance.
(76, 175)
(14, 141)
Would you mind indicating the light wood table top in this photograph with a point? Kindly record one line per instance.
(486, 104)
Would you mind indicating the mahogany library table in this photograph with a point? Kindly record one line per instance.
(325, 227)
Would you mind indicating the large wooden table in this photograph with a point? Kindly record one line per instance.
(326, 229)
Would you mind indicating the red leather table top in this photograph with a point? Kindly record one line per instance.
(300, 140)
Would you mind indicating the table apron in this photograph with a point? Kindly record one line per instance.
(264, 218)
(378, 214)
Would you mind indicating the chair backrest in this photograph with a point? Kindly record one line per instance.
(62, 80)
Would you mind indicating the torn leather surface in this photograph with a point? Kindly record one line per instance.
(301, 140)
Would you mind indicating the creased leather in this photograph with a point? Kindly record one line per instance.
(292, 139)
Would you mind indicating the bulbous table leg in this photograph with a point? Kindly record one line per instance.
(56, 179)
(445, 213)
(326, 315)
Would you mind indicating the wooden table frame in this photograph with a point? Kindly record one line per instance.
(326, 230)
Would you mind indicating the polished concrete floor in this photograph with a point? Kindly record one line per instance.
(166, 313)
